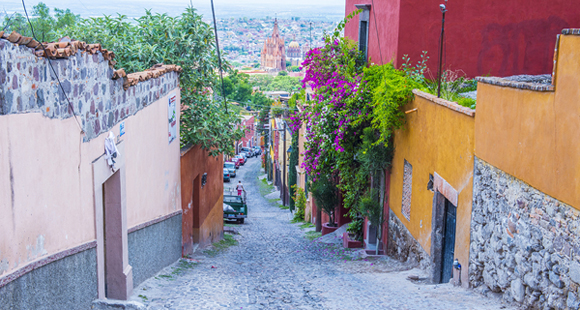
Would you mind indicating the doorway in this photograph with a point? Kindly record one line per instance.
(114, 274)
(448, 242)
(442, 238)
(113, 241)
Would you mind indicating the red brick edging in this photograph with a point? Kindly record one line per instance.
(155, 221)
(45, 261)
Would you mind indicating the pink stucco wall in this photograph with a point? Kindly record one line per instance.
(46, 180)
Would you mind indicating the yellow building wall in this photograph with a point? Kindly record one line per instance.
(435, 138)
(533, 135)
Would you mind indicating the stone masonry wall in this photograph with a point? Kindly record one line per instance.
(402, 246)
(524, 243)
(28, 85)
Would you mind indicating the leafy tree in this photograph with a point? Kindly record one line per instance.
(288, 63)
(44, 24)
(282, 73)
(325, 192)
(293, 69)
(186, 41)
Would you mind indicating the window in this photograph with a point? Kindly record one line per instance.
(363, 28)
(407, 190)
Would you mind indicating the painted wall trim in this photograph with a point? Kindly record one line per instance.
(443, 187)
(154, 221)
(446, 103)
(45, 261)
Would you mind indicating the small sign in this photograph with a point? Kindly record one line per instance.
(172, 117)
(121, 129)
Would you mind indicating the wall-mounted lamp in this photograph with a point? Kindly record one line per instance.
(203, 179)
(411, 111)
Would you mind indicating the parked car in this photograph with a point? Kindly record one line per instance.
(250, 152)
(240, 158)
(257, 150)
(234, 161)
(231, 168)
(226, 175)
(245, 156)
(235, 207)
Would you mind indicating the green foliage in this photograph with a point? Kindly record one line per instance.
(355, 228)
(417, 72)
(325, 192)
(466, 102)
(292, 174)
(43, 22)
(391, 89)
(282, 73)
(299, 200)
(370, 207)
(277, 83)
(220, 246)
(293, 69)
(311, 235)
(184, 40)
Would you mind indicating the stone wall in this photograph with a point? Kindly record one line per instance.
(402, 246)
(154, 247)
(524, 244)
(28, 85)
(68, 283)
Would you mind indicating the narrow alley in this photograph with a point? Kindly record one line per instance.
(275, 267)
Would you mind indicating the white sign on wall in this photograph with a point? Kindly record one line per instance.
(172, 117)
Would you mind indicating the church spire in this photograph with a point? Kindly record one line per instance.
(275, 31)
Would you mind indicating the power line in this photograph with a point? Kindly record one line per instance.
(52, 68)
(217, 45)
(377, 30)
(8, 21)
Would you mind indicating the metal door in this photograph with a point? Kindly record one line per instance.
(448, 242)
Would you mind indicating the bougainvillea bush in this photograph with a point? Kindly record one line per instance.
(352, 98)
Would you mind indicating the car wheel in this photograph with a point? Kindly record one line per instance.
(241, 221)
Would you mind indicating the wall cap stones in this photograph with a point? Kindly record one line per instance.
(446, 103)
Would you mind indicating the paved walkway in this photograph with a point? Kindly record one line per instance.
(276, 267)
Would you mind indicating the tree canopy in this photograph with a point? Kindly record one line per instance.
(140, 43)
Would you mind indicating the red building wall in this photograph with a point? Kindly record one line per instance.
(202, 206)
(493, 37)
(249, 129)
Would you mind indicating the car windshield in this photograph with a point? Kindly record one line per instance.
(229, 165)
(226, 171)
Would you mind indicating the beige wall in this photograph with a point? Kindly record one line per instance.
(46, 180)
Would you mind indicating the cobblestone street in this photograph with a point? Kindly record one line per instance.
(275, 267)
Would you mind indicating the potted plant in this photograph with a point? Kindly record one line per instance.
(325, 192)
(353, 236)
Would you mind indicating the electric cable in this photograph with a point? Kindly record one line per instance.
(8, 21)
(217, 44)
(377, 30)
(53, 71)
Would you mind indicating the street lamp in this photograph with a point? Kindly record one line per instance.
(439, 73)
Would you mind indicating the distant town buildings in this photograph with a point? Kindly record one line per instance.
(242, 39)
(273, 55)
(294, 53)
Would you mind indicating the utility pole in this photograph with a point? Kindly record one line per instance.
(310, 35)
(439, 73)
(284, 167)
